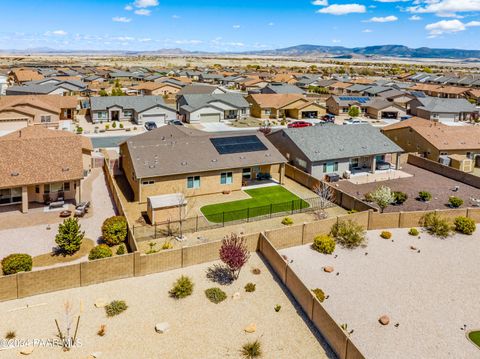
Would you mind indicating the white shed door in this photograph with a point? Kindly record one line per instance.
(210, 117)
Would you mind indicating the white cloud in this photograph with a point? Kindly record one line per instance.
(415, 18)
(143, 12)
(123, 38)
(145, 3)
(320, 2)
(56, 33)
(335, 41)
(121, 19)
(128, 7)
(176, 17)
(390, 18)
(146, 39)
(236, 26)
(343, 9)
(367, 30)
(188, 42)
(448, 27)
(391, 0)
(444, 8)
(271, 24)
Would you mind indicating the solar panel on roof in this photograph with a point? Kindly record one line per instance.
(237, 144)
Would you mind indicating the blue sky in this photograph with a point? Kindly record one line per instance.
(237, 25)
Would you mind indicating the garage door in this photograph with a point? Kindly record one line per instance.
(210, 117)
(12, 125)
(158, 119)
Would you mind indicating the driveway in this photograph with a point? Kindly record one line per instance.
(38, 239)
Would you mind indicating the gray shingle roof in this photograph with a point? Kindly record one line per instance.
(446, 105)
(195, 102)
(329, 142)
(281, 88)
(137, 103)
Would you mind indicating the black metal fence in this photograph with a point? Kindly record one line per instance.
(223, 219)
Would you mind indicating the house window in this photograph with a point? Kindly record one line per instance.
(243, 111)
(443, 153)
(37, 189)
(146, 183)
(127, 113)
(102, 115)
(193, 182)
(45, 119)
(329, 167)
(226, 178)
(302, 163)
(469, 155)
(344, 109)
(66, 186)
(268, 111)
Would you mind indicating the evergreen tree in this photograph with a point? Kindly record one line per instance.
(69, 237)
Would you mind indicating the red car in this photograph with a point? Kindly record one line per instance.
(299, 124)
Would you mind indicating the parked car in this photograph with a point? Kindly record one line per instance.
(175, 122)
(299, 124)
(150, 125)
(382, 165)
(403, 118)
(328, 118)
(355, 121)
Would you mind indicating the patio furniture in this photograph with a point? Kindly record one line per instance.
(263, 176)
(56, 204)
(85, 204)
(65, 214)
(475, 202)
(332, 177)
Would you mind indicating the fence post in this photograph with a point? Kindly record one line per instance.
(223, 218)
(293, 204)
(271, 209)
(248, 214)
(155, 231)
(196, 224)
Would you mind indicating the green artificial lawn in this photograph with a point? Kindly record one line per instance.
(475, 337)
(265, 200)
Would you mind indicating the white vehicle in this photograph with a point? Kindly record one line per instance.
(355, 121)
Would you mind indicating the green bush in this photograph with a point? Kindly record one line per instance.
(399, 197)
(455, 202)
(413, 232)
(348, 233)
(100, 251)
(252, 350)
(182, 288)
(435, 225)
(10, 335)
(114, 230)
(250, 287)
(115, 308)
(277, 308)
(287, 221)
(121, 250)
(215, 295)
(69, 237)
(319, 294)
(425, 196)
(465, 225)
(17, 262)
(386, 235)
(324, 244)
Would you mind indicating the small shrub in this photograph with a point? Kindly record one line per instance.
(252, 350)
(455, 202)
(102, 331)
(234, 253)
(287, 221)
(114, 230)
(115, 308)
(435, 225)
(152, 249)
(424, 196)
(348, 233)
(465, 225)
(182, 288)
(167, 245)
(17, 262)
(256, 271)
(324, 244)
(352, 211)
(399, 197)
(278, 307)
(79, 130)
(114, 124)
(319, 294)
(100, 251)
(215, 295)
(10, 335)
(121, 125)
(386, 235)
(413, 232)
(250, 287)
(368, 197)
(107, 126)
(121, 250)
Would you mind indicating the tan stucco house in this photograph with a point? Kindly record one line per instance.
(279, 105)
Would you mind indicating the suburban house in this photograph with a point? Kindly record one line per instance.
(156, 88)
(455, 146)
(443, 109)
(138, 109)
(332, 149)
(50, 86)
(51, 111)
(42, 165)
(284, 105)
(212, 108)
(19, 76)
(380, 109)
(201, 89)
(281, 88)
(176, 159)
(339, 105)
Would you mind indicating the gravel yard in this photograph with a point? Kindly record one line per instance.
(199, 329)
(431, 294)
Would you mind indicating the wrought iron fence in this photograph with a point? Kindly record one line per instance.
(228, 218)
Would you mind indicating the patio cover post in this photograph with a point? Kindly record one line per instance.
(24, 199)
(397, 162)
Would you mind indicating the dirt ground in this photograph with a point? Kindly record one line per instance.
(199, 328)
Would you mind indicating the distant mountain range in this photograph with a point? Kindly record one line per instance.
(294, 51)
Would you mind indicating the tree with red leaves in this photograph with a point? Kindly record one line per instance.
(234, 253)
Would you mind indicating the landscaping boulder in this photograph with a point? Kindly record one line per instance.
(384, 320)
(236, 296)
(101, 302)
(413, 248)
(328, 269)
(162, 327)
(27, 350)
(251, 328)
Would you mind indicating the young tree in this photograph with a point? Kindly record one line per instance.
(69, 237)
(354, 111)
(383, 197)
(234, 253)
(326, 194)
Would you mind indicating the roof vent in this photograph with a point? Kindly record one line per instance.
(15, 174)
(184, 163)
(242, 157)
(268, 155)
(151, 166)
(215, 160)
(65, 169)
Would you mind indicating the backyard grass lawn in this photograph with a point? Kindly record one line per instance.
(475, 337)
(264, 200)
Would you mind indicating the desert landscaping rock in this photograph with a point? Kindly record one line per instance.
(251, 328)
(413, 248)
(328, 269)
(101, 302)
(236, 296)
(27, 350)
(162, 327)
(384, 320)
